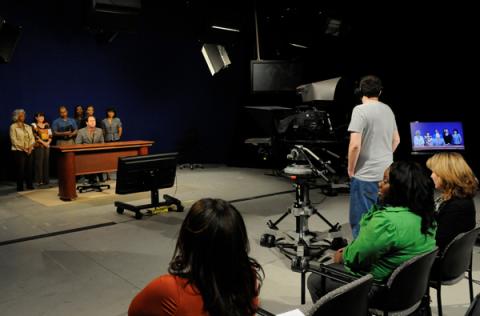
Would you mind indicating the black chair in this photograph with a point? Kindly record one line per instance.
(349, 299)
(474, 309)
(92, 185)
(404, 290)
(450, 266)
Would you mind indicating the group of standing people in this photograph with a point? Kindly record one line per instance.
(31, 142)
(437, 139)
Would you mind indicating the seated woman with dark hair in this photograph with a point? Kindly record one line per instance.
(210, 273)
(455, 208)
(390, 234)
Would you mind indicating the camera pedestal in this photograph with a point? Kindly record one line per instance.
(302, 245)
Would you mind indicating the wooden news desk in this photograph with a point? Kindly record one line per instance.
(74, 160)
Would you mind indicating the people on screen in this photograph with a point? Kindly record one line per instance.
(41, 154)
(400, 227)
(418, 140)
(456, 137)
(112, 126)
(23, 141)
(438, 140)
(455, 211)
(90, 134)
(64, 128)
(428, 139)
(447, 137)
(211, 272)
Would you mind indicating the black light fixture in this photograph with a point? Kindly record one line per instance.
(9, 36)
(333, 27)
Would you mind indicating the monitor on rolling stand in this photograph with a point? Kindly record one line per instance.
(146, 173)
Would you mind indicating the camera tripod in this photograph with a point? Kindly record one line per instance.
(303, 245)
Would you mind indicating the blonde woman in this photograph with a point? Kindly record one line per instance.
(458, 185)
(22, 139)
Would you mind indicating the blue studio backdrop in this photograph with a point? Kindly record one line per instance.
(158, 81)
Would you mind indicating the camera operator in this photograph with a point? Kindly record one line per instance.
(373, 139)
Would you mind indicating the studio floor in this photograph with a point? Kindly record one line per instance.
(82, 258)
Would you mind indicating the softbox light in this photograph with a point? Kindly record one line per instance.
(216, 57)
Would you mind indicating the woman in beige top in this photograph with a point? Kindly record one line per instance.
(22, 139)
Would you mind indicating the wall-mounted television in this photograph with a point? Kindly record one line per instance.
(276, 75)
(436, 136)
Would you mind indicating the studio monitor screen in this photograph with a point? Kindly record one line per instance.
(276, 75)
(437, 136)
(9, 36)
(114, 15)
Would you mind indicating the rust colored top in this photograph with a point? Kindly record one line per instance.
(168, 295)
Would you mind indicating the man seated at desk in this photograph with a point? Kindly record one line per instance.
(90, 135)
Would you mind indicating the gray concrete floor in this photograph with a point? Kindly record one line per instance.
(99, 271)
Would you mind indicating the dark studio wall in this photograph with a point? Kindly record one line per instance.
(161, 86)
(156, 78)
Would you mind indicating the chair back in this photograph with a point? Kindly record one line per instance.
(455, 259)
(474, 309)
(407, 285)
(349, 299)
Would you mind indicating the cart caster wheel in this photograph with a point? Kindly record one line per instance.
(138, 215)
(120, 210)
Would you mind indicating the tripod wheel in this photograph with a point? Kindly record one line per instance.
(267, 240)
(299, 264)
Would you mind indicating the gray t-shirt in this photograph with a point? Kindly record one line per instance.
(376, 122)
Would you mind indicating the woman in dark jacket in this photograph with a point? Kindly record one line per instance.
(455, 207)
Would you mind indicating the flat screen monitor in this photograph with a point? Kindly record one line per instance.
(276, 75)
(146, 173)
(436, 136)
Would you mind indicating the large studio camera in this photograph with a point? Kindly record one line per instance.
(307, 123)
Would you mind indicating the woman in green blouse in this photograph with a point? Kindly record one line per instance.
(400, 228)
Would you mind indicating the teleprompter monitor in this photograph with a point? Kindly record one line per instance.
(436, 136)
(146, 173)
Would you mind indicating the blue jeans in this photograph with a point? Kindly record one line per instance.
(363, 194)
